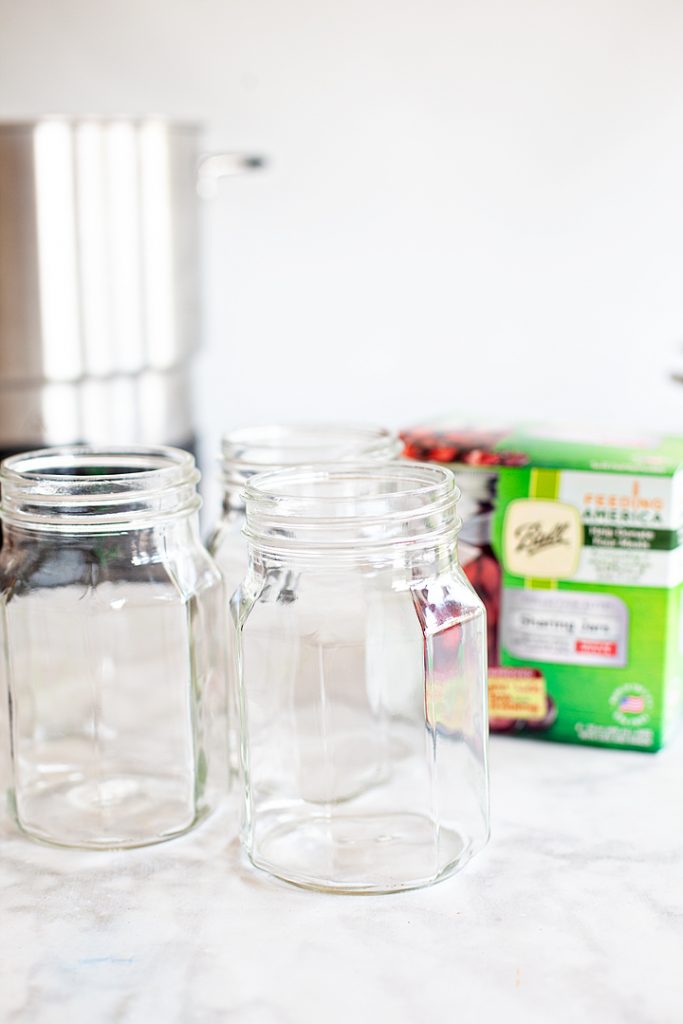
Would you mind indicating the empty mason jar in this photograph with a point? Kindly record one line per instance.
(362, 660)
(257, 449)
(113, 626)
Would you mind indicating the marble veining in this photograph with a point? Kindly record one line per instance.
(574, 912)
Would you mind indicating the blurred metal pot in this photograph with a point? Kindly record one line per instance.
(99, 278)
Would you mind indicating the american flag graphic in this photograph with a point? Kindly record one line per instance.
(632, 705)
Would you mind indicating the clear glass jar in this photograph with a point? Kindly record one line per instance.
(362, 660)
(113, 630)
(258, 449)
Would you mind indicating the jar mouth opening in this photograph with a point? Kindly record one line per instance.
(97, 469)
(251, 450)
(84, 484)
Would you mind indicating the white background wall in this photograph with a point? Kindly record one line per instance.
(473, 205)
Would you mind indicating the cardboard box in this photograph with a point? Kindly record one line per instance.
(589, 536)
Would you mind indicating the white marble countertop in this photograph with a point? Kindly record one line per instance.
(574, 912)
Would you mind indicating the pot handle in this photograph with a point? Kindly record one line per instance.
(214, 166)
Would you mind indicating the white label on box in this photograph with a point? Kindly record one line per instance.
(565, 627)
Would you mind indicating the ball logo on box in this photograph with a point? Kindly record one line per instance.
(542, 539)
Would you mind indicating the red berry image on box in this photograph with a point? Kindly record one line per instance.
(517, 698)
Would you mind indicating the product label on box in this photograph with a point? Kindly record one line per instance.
(631, 528)
(517, 693)
(566, 627)
(595, 528)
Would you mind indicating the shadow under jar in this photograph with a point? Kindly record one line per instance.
(362, 663)
(111, 613)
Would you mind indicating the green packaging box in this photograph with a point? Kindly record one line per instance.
(590, 541)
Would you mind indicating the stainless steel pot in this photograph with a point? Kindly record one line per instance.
(99, 271)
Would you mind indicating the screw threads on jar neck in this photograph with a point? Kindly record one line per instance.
(395, 513)
(79, 488)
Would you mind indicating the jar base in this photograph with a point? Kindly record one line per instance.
(123, 811)
(360, 854)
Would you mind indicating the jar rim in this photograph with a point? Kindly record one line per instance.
(273, 447)
(352, 508)
(92, 485)
(147, 463)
